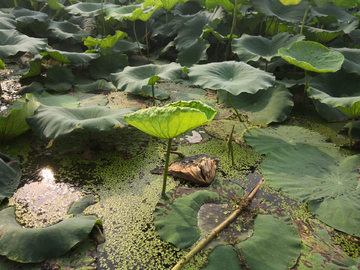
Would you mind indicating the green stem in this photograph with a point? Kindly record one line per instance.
(306, 86)
(267, 29)
(147, 41)
(266, 64)
(15, 3)
(230, 148)
(303, 21)
(260, 30)
(217, 47)
(232, 104)
(166, 26)
(153, 95)
(276, 27)
(137, 41)
(350, 128)
(166, 167)
(233, 26)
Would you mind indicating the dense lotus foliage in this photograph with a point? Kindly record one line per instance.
(263, 59)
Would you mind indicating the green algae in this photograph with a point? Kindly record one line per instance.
(349, 244)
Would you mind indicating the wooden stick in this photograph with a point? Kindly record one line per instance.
(217, 230)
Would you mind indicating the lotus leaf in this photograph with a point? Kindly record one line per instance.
(34, 87)
(7, 21)
(32, 68)
(27, 16)
(223, 257)
(2, 64)
(130, 12)
(196, 52)
(355, 132)
(98, 85)
(68, 57)
(50, 100)
(275, 244)
(127, 47)
(290, 2)
(234, 77)
(170, 121)
(10, 174)
(14, 124)
(169, 4)
(109, 41)
(12, 42)
(64, 30)
(253, 47)
(267, 106)
(332, 10)
(312, 56)
(59, 79)
(79, 206)
(352, 59)
(35, 245)
(88, 9)
(226, 4)
(51, 122)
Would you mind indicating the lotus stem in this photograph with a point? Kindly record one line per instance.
(266, 64)
(267, 29)
(166, 167)
(166, 26)
(153, 95)
(147, 41)
(303, 21)
(230, 147)
(137, 41)
(217, 47)
(233, 26)
(350, 129)
(218, 229)
(232, 104)
(306, 85)
(15, 3)
(103, 18)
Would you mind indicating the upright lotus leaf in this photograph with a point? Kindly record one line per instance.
(234, 77)
(14, 124)
(196, 52)
(98, 85)
(28, 245)
(10, 174)
(352, 59)
(226, 4)
(31, 69)
(275, 244)
(65, 30)
(178, 223)
(88, 9)
(148, 8)
(12, 42)
(253, 47)
(7, 21)
(2, 64)
(267, 106)
(169, 4)
(130, 12)
(52, 122)
(312, 56)
(332, 10)
(290, 2)
(109, 41)
(70, 57)
(293, 13)
(59, 79)
(27, 16)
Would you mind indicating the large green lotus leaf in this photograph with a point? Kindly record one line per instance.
(88, 100)
(234, 77)
(110, 61)
(59, 79)
(352, 59)
(267, 106)
(12, 42)
(28, 245)
(290, 2)
(275, 244)
(265, 140)
(223, 257)
(88, 9)
(2, 64)
(79, 206)
(253, 47)
(341, 212)
(27, 16)
(10, 174)
(31, 69)
(130, 12)
(14, 124)
(178, 222)
(68, 57)
(132, 79)
(196, 52)
(64, 30)
(324, 36)
(98, 85)
(170, 121)
(312, 56)
(127, 47)
(109, 41)
(307, 172)
(226, 4)
(294, 13)
(338, 89)
(355, 132)
(7, 21)
(57, 100)
(353, 111)
(331, 9)
(34, 88)
(51, 122)
(329, 113)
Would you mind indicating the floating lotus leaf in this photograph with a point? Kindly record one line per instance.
(312, 56)
(35, 245)
(332, 10)
(352, 59)
(234, 77)
(293, 13)
(267, 106)
(223, 257)
(266, 140)
(12, 42)
(50, 100)
(255, 47)
(132, 79)
(10, 174)
(14, 124)
(68, 57)
(51, 122)
(59, 79)
(170, 121)
(275, 244)
(88, 9)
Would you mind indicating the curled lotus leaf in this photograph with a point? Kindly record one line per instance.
(312, 56)
(234, 77)
(170, 121)
(10, 174)
(30, 245)
(51, 122)
(352, 59)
